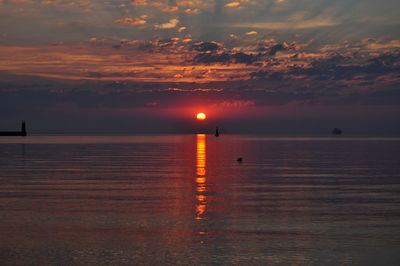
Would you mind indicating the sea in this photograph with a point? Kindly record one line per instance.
(187, 200)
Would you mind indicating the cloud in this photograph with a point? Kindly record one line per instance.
(130, 21)
(181, 29)
(243, 58)
(285, 65)
(232, 4)
(192, 11)
(15, 1)
(139, 2)
(301, 24)
(70, 4)
(172, 23)
(94, 40)
(206, 46)
(210, 57)
(377, 45)
(251, 33)
(274, 49)
(170, 9)
(234, 104)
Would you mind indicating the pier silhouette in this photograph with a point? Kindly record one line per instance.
(15, 133)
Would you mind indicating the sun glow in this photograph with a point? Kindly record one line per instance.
(201, 116)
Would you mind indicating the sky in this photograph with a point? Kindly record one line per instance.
(253, 66)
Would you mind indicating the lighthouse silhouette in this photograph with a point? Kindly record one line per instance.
(23, 128)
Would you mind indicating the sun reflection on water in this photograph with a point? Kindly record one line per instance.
(201, 188)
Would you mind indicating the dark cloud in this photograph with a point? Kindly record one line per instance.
(243, 58)
(208, 58)
(225, 58)
(340, 67)
(264, 74)
(387, 60)
(276, 48)
(206, 46)
(272, 50)
(111, 75)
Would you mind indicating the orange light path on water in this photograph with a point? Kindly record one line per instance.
(201, 179)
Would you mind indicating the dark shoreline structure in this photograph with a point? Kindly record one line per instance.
(336, 131)
(15, 133)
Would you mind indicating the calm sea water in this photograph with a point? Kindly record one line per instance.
(184, 199)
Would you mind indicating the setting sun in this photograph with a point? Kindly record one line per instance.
(201, 116)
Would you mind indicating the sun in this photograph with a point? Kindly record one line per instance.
(201, 116)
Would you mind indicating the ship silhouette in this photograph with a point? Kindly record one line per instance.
(336, 131)
(216, 132)
(15, 133)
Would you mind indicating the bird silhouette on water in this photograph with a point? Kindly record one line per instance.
(239, 160)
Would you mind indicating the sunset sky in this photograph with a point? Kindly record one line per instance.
(253, 66)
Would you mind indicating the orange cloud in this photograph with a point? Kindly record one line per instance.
(170, 9)
(181, 29)
(183, 60)
(251, 33)
(192, 11)
(95, 40)
(232, 4)
(130, 21)
(139, 2)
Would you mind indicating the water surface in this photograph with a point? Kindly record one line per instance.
(184, 199)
